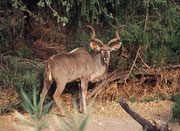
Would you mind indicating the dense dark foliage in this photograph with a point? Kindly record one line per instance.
(153, 25)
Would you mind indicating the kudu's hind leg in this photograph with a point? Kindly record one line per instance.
(57, 98)
(46, 86)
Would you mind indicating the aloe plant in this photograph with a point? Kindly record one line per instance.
(33, 109)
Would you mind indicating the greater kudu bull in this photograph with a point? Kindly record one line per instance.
(77, 65)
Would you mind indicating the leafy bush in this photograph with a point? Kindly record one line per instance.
(176, 107)
(25, 52)
(159, 40)
(18, 73)
(12, 25)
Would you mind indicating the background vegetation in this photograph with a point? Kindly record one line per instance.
(31, 31)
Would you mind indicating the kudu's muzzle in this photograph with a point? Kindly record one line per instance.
(105, 56)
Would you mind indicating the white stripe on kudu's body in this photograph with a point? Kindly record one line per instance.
(74, 50)
(77, 65)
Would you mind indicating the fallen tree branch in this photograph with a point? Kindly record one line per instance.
(109, 78)
(147, 126)
(118, 76)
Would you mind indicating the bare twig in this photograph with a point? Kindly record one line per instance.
(128, 18)
(20, 3)
(137, 54)
(147, 66)
(146, 17)
(174, 2)
(134, 62)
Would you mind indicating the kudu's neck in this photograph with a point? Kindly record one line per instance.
(98, 61)
(100, 68)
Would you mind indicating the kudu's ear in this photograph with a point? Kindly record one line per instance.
(116, 46)
(94, 46)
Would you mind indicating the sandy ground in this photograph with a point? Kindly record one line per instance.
(107, 116)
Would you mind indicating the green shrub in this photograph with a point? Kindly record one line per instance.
(176, 107)
(7, 109)
(19, 73)
(25, 52)
(12, 26)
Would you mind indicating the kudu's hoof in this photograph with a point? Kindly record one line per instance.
(83, 113)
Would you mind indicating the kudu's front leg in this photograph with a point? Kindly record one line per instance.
(83, 93)
(80, 101)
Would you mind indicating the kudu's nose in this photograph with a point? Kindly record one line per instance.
(105, 60)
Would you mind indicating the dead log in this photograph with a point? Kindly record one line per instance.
(146, 125)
